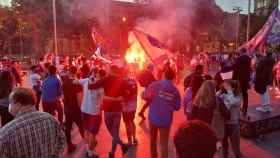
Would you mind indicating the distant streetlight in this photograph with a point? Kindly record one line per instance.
(237, 10)
(124, 19)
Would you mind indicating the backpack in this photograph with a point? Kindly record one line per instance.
(225, 112)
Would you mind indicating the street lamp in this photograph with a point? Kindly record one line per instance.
(248, 21)
(237, 10)
(55, 28)
(20, 26)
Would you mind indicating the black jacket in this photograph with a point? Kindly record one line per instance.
(264, 74)
(242, 69)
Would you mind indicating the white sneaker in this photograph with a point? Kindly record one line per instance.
(265, 108)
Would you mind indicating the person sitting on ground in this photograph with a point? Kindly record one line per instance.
(195, 139)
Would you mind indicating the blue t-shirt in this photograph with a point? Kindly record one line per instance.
(51, 89)
(164, 99)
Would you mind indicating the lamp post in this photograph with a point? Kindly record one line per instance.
(55, 28)
(248, 21)
(21, 40)
(238, 10)
(20, 26)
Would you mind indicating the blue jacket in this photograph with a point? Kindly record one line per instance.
(164, 99)
(51, 89)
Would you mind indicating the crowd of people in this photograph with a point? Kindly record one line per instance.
(89, 92)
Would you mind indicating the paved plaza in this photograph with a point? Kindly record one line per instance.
(269, 147)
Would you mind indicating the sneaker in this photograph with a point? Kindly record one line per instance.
(125, 148)
(265, 108)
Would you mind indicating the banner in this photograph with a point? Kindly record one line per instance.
(274, 35)
(154, 49)
(269, 33)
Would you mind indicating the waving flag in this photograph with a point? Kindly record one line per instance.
(154, 49)
(268, 34)
(274, 35)
(97, 55)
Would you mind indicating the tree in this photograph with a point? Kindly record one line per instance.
(39, 15)
(8, 27)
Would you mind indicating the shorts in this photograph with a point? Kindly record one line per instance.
(128, 117)
(91, 123)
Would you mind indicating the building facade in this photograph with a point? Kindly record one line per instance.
(265, 7)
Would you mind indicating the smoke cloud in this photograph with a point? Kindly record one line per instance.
(171, 19)
(181, 19)
(88, 9)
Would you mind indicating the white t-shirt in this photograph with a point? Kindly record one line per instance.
(35, 78)
(92, 99)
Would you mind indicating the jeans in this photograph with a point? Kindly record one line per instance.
(38, 96)
(51, 107)
(232, 132)
(164, 138)
(244, 89)
(265, 97)
(112, 122)
(6, 117)
(71, 118)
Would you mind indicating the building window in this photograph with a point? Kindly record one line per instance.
(266, 3)
(259, 4)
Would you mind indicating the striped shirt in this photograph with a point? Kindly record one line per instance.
(32, 134)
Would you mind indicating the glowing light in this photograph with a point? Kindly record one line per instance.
(231, 44)
(6, 3)
(135, 55)
(124, 19)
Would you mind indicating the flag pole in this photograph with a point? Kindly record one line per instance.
(248, 21)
